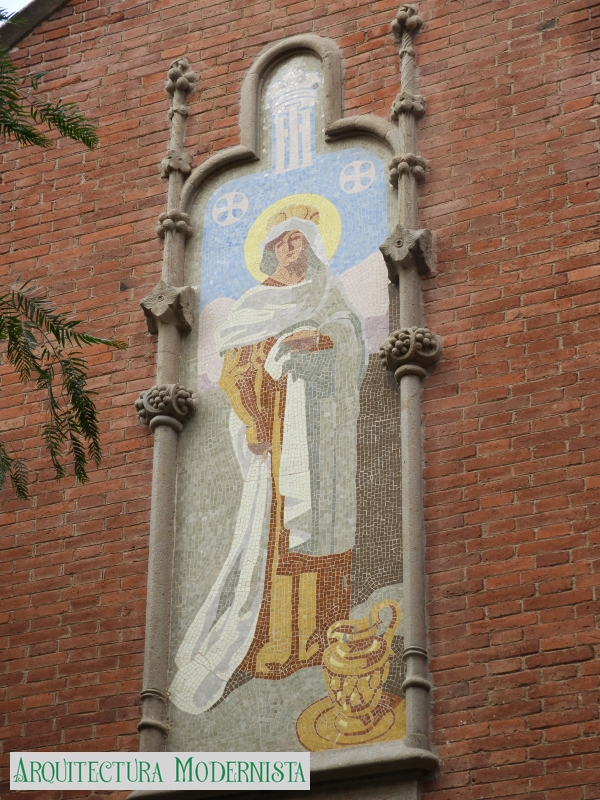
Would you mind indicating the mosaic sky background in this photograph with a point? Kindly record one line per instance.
(363, 214)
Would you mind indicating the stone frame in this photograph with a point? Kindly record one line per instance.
(409, 253)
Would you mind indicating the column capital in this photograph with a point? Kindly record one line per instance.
(170, 221)
(168, 404)
(405, 164)
(408, 351)
(171, 305)
(404, 248)
(408, 103)
(176, 160)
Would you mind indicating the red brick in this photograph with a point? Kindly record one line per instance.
(512, 463)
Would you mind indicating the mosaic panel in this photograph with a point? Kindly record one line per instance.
(287, 600)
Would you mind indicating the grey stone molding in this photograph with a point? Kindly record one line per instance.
(409, 253)
(171, 305)
(407, 103)
(164, 407)
(326, 49)
(416, 680)
(180, 78)
(174, 224)
(409, 351)
(156, 701)
(407, 162)
(413, 756)
(372, 759)
(173, 221)
(407, 19)
(167, 404)
(405, 248)
(175, 160)
(32, 15)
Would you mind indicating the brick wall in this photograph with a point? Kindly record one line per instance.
(512, 413)
(511, 434)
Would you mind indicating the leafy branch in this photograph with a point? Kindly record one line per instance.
(22, 111)
(40, 345)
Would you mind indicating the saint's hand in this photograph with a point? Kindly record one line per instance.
(260, 449)
(308, 341)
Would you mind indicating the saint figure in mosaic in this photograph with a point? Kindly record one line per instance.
(293, 361)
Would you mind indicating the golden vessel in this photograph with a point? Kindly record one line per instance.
(355, 667)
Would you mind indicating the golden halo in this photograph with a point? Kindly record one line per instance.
(330, 227)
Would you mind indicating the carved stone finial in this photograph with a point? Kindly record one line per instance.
(174, 221)
(407, 19)
(403, 164)
(180, 76)
(409, 351)
(407, 103)
(175, 160)
(169, 404)
(405, 247)
(172, 305)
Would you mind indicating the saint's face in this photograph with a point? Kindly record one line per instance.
(290, 251)
(289, 248)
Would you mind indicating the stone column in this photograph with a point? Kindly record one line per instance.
(409, 254)
(169, 311)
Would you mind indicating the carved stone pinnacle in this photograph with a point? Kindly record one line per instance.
(409, 351)
(172, 305)
(403, 164)
(407, 19)
(174, 221)
(169, 404)
(407, 103)
(180, 76)
(405, 247)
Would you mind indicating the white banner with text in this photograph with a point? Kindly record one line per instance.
(237, 771)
